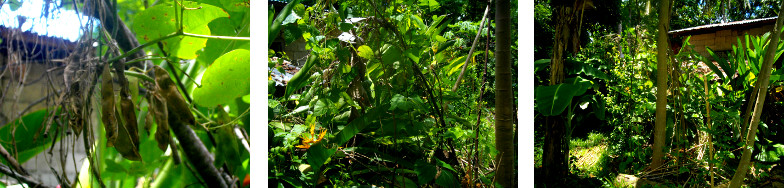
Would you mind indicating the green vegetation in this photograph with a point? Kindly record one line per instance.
(602, 127)
(380, 109)
(141, 70)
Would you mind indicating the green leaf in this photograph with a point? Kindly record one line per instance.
(447, 179)
(321, 108)
(413, 54)
(399, 102)
(318, 155)
(456, 64)
(541, 64)
(599, 107)
(426, 172)
(358, 125)
(217, 47)
(299, 79)
(390, 54)
(159, 21)
(236, 5)
(365, 52)
(432, 4)
(712, 66)
(29, 138)
(275, 26)
(345, 27)
(225, 80)
(553, 100)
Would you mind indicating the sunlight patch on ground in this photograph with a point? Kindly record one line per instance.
(587, 158)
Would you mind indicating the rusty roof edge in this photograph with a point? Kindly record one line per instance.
(708, 27)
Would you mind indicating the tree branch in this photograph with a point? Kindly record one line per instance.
(197, 154)
(26, 179)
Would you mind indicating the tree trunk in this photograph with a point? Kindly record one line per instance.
(762, 82)
(661, 85)
(504, 127)
(556, 150)
(553, 161)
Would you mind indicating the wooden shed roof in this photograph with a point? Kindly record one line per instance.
(743, 24)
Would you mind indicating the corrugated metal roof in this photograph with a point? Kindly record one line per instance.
(720, 26)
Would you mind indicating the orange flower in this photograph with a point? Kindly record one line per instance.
(307, 142)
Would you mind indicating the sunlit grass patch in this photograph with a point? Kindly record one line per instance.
(589, 153)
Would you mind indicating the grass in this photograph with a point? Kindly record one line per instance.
(590, 154)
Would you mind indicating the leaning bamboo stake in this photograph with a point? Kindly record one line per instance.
(708, 123)
(473, 46)
(763, 81)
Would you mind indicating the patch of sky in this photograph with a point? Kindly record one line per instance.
(59, 22)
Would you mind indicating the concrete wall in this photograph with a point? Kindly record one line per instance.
(29, 86)
(24, 84)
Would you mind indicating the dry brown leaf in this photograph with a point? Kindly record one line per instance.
(128, 138)
(177, 108)
(160, 113)
(107, 106)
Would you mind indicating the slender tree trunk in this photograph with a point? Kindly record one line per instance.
(504, 127)
(762, 82)
(661, 85)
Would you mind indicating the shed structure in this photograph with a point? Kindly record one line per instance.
(720, 37)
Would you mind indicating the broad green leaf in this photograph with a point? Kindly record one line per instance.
(318, 155)
(358, 125)
(292, 33)
(447, 179)
(321, 108)
(541, 64)
(236, 5)
(596, 73)
(426, 172)
(445, 45)
(712, 66)
(299, 79)
(28, 134)
(226, 79)
(276, 24)
(371, 70)
(159, 21)
(217, 47)
(553, 100)
(432, 4)
(390, 54)
(399, 102)
(345, 27)
(456, 64)
(413, 54)
(365, 52)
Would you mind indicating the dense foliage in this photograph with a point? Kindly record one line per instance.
(378, 108)
(612, 111)
(130, 99)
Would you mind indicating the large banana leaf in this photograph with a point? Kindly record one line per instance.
(553, 100)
